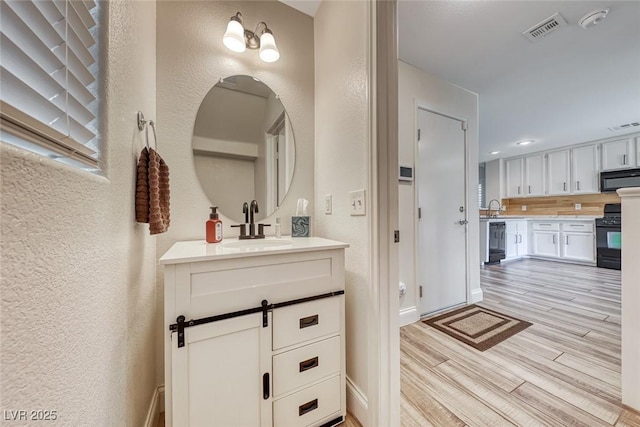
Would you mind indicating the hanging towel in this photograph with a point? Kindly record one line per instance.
(152, 189)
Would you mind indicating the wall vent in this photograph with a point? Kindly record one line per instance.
(625, 126)
(544, 28)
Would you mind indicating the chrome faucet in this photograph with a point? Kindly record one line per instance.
(499, 208)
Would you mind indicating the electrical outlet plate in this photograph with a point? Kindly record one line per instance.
(524, 208)
(578, 206)
(357, 202)
(327, 204)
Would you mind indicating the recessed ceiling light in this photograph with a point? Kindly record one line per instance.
(494, 152)
(525, 142)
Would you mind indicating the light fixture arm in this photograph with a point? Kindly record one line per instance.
(252, 38)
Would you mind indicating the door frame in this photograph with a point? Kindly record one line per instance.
(464, 123)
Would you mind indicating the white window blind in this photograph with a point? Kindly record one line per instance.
(48, 72)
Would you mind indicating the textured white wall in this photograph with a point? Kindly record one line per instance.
(416, 87)
(191, 59)
(342, 143)
(78, 274)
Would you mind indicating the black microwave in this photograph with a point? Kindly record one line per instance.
(610, 181)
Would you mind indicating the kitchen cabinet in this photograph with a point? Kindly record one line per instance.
(516, 241)
(558, 172)
(578, 241)
(534, 175)
(254, 333)
(638, 151)
(584, 170)
(546, 243)
(618, 154)
(515, 175)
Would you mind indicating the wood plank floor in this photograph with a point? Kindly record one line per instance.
(562, 371)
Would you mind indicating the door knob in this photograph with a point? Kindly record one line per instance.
(463, 222)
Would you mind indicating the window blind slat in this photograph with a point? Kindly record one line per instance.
(22, 36)
(15, 61)
(83, 13)
(24, 98)
(47, 75)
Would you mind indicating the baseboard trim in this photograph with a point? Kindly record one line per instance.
(156, 406)
(408, 316)
(357, 403)
(476, 296)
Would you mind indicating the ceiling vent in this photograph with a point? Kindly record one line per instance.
(625, 126)
(544, 28)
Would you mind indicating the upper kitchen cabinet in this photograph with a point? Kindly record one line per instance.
(534, 175)
(558, 176)
(584, 169)
(618, 154)
(638, 151)
(515, 174)
(525, 176)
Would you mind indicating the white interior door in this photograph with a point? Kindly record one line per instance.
(442, 243)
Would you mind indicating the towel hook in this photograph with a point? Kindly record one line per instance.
(141, 121)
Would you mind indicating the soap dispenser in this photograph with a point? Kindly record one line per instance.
(214, 226)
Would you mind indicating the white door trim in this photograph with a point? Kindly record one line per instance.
(464, 123)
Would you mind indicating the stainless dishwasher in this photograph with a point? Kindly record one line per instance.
(497, 232)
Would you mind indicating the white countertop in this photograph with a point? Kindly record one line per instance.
(199, 250)
(543, 218)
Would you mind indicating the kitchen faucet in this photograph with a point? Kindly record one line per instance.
(499, 208)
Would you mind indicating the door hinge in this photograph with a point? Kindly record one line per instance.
(419, 213)
(396, 236)
(420, 291)
(418, 134)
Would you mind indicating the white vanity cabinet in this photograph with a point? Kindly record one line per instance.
(254, 333)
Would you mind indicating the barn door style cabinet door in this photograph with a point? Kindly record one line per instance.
(255, 337)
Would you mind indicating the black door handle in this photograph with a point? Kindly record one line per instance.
(265, 386)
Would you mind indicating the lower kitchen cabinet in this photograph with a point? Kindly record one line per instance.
(546, 243)
(566, 240)
(255, 340)
(516, 240)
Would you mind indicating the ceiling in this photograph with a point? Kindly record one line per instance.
(567, 88)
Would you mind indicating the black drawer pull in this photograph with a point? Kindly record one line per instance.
(307, 407)
(309, 364)
(305, 322)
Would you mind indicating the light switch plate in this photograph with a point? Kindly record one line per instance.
(524, 208)
(327, 204)
(357, 202)
(578, 206)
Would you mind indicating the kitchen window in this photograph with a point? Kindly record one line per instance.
(48, 84)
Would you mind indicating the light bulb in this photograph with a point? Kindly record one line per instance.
(268, 49)
(234, 36)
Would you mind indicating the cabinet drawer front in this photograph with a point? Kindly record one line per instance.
(578, 226)
(553, 226)
(302, 322)
(308, 406)
(305, 365)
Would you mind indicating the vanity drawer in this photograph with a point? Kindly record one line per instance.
(550, 226)
(304, 365)
(587, 227)
(308, 406)
(306, 321)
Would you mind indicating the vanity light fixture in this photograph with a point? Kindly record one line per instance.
(525, 142)
(238, 39)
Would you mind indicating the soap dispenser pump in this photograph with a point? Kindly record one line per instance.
(214, 226)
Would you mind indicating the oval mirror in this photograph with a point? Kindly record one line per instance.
(243, 147)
